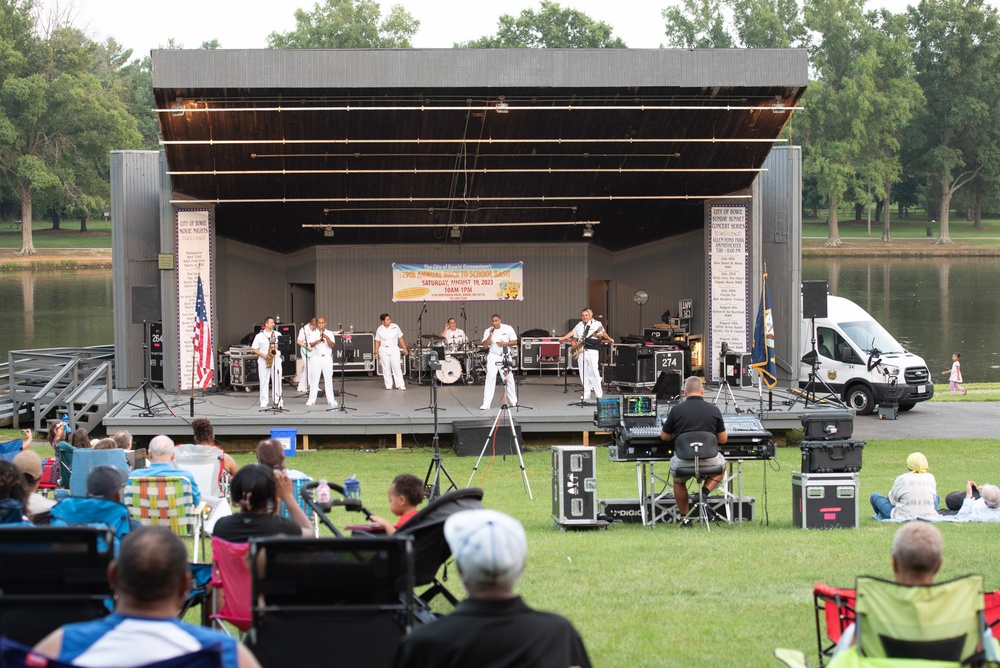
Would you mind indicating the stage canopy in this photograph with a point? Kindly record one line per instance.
(468, 146)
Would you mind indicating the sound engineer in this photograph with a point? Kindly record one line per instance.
(693, 414)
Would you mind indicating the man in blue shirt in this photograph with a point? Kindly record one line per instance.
(161, 465)
(150, 579)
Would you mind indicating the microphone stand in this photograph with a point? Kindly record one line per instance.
(348, 346)
(509, 367)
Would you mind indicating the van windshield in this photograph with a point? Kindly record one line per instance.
(868, 333)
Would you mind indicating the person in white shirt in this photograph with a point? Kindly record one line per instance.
(388, 339)
(303, 342)
(588, 334)
(498, 338)
(454, 340)
(321, 362)
(262, 344)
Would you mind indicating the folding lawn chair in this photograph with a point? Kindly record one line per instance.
(313, 600)
(97, 513)
(231, 578)
(16, 655)
(50, 576)
(836, 606)
(9, 449)
(166, 501)
(85, 461)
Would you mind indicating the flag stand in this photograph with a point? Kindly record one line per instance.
(762, 350)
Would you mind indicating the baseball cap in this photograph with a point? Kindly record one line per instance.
(489, 546)
(30, 464)
(105, 481)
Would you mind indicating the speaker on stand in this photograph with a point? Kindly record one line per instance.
(814, 299)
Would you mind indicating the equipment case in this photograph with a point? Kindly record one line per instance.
(574, 485)
(831, 456)
(828, 425)
(825, 500)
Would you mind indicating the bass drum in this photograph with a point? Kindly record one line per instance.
(450, 371)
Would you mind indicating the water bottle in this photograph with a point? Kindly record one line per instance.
(352, 488)
(323, 491)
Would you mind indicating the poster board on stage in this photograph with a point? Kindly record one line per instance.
(458, 282)
(728, 282)
(194, 258)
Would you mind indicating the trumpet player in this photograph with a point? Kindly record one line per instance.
(265, 345)
(321, 362)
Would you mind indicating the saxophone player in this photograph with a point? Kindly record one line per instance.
(265, 345)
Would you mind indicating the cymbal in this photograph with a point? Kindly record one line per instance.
(432, 337)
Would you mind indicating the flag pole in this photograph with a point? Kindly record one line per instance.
(194, 355)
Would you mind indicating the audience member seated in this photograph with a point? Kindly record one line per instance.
(106, 444)
(161, 465)
(985, 508)
(256, 489)
(30, 466)
(150, 579)
(916, 558)
(204, 434)
(9, 449)
(913, 495)
(102, 507)
(123, 440)
(405, 493)
(13, 496)
(492, 627)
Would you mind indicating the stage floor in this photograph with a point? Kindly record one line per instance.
(377, 412)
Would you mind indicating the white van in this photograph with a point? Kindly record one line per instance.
(849, 344)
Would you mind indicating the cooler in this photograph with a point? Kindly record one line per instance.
(831, 456)
(824, 500)
(574, 485)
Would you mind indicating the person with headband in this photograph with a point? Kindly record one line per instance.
(913, 495)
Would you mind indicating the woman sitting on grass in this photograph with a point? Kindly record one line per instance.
(913, 495)
(256, 490)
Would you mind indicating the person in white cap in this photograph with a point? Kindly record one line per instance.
(492, 628)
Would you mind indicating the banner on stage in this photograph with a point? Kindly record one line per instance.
(728, 282)
(458, 282)
(194, 262)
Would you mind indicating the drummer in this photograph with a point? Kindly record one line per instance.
(454, 342)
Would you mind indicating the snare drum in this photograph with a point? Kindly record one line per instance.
(450, 371)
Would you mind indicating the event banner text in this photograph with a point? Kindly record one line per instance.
(194, 259)
(471, 282)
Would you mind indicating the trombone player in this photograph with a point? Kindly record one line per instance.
(265, 345)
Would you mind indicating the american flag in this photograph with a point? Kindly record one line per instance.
(202, 341)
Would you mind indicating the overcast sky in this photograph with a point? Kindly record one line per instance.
(143, 25)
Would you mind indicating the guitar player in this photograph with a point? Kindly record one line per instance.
(587, 337)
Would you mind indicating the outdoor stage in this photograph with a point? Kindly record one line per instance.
(380, 413)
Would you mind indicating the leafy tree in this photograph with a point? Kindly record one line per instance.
(137, 93)
(957, 56)
(697, 24)
(348, 24)
(772, 24)
(551, 27)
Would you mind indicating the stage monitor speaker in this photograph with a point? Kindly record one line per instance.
(469, 436)
(668, 386)
(814, 299)
(145, 304)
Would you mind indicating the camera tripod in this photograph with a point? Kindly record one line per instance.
(809, 391)
(504, 410)
(432, 481)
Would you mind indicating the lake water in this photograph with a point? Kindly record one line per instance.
(934, 307)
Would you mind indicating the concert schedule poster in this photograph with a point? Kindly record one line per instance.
(458, 282)
(728, 281)
(194, 259)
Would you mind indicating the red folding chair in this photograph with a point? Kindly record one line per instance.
(837, 608)
(992, 612)
(231, 576)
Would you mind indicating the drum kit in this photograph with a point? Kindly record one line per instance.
(460, 362)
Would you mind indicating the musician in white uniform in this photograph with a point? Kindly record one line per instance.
(321, 362)
(262, 343)
(388, 339)
(302, 341)
(588, 334)
(454, 343)
(498, 338)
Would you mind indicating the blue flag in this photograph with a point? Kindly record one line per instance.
(762, 352)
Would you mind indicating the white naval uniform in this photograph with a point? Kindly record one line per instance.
(589, 362)
(301, 342)
(495, 356)
(389, 357)
(262, 342)
(321, 362)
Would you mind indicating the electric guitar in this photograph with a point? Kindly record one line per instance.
(577, 346)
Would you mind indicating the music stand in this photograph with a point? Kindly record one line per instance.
(146, 387)
(508, 366)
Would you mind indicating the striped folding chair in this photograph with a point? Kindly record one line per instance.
(166, 501)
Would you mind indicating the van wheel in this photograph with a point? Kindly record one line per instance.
(860, 399)
(905, 407)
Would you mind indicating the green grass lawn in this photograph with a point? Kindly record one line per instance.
(666, 596)
(914, 227)
(98, 235)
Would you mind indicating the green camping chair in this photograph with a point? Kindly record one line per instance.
(942, 622)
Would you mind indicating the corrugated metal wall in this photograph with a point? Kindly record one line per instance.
(780, 197)
(250, 285)
(135, 230)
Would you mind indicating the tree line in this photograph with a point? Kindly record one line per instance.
(901, 108)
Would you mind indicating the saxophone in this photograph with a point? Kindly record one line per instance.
(272, 352)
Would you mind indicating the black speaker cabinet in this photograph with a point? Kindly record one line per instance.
(668, 386)
(814, 299)
(145, 304)
(635, 365)
(469, 436)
